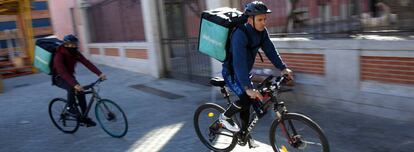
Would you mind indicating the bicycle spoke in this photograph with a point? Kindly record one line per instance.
(312, 143)
(210, 132)
(61, 118)
(71, 119)
(224, 134)
(298, 133)
(58, 111)
(111, 118)
(106, 108)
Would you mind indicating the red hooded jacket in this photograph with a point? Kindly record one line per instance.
(64, 64)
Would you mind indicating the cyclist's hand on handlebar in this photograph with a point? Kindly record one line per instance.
(288, 73)
(102, 76)
(254, 94)
(78, 88)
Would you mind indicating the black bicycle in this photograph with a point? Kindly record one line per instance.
(109, 115)
(288, 132)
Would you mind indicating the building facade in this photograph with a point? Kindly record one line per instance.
(159, 38)
(11, 40)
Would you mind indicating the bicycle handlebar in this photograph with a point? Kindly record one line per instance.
(87, 87)
(268, 82)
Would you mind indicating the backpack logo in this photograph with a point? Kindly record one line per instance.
(213, 40)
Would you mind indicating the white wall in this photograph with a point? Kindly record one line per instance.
(122, 61)
(61, 16)
(342, 71)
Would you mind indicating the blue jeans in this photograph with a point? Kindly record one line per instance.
(232, 83)
(59, 82)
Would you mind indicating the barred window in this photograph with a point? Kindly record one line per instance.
(116, 21)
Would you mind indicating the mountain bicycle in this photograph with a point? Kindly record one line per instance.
(109, 115)
(288, 132)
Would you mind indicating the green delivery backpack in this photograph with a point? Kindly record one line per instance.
(215, 31)
(44, 52)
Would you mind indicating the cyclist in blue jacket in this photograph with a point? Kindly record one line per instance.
(236, 72)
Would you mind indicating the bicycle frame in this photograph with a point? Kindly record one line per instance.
(270, 93)
(95, 97)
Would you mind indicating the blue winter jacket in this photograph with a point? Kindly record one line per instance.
(244, 56)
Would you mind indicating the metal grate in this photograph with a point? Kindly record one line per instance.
(156, 92)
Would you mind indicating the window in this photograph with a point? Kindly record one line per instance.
(7, 25)
(39, 6)
(175, 20)
(3, 44)
(116, 21)
(14, 42)
(41, 22)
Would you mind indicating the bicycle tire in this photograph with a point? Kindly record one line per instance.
(303, 119)
(106, 115)
(62, 116)
(197, 113)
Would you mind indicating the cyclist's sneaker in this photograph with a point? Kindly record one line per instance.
(228, 123)
(89, 122)
(251, 142)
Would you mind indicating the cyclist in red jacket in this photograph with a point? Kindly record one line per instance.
(64, 62)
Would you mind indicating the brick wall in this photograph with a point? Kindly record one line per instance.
(133, 53)
(94, 51)
(111, 52)
(136, 53)
(398, 70)
(298, 62)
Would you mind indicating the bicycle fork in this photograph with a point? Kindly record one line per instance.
(293, 139)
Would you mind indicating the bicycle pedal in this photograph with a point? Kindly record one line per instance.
(241, 143)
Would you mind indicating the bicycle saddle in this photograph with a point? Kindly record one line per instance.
(218, 82)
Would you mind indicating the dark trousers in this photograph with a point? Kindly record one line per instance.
(59, 82)
(243, 104)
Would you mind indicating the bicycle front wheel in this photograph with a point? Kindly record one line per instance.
(210, 132)
(296, 132)
(61, 118)
(111, 118)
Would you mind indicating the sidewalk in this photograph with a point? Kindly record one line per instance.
(164, 121)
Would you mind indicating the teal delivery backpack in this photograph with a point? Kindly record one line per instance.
(215, 31)
(44, 51)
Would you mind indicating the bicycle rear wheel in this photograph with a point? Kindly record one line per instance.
(61, 118)
(297, 132)
(210, 132)
(111, 118)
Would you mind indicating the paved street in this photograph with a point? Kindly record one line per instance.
(157, 123)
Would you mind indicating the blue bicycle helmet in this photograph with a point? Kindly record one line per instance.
(70, 38)
(256, 8)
